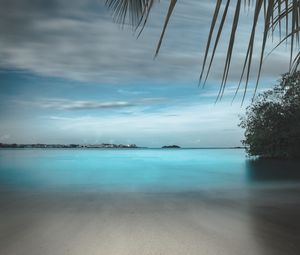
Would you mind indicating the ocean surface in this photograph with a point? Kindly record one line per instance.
(144, 170)
(147, 201)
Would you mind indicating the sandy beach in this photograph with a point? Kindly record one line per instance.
(257, 221)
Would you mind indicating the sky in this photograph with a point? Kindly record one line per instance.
(69, 74)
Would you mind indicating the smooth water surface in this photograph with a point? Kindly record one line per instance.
(147, 201)
(130, 169)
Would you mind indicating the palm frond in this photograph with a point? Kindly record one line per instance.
(134, 12)
(169, 13)
(273, 13)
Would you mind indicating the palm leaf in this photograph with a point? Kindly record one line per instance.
(131, 11)
(274, 14)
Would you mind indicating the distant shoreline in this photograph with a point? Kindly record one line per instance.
(103, 146)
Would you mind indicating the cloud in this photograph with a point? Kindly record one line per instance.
(187, 125)
(4, 137)
(64, 104)
(78, 41)
(145, 123)
(73, 105)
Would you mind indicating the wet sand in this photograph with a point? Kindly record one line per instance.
(256, 221)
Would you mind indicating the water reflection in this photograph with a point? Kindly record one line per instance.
(275, 222)
(272, 170)
(274, 210)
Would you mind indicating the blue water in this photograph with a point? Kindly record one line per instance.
(125, 169)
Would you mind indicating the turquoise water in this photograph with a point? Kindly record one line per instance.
(130, 170)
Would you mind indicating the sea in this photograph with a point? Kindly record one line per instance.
(140, 170)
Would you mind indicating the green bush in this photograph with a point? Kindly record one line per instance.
(272, 121)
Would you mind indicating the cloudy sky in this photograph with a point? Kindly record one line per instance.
(68, 74)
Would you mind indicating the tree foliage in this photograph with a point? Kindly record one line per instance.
(272, 121)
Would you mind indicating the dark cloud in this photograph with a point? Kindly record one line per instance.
(77, 40)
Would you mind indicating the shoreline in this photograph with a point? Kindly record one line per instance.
(137, 148)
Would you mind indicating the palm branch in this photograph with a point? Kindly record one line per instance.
(276, 15)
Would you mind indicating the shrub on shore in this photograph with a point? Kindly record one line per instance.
(272, 121)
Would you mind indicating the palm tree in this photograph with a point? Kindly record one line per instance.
(277, 16)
